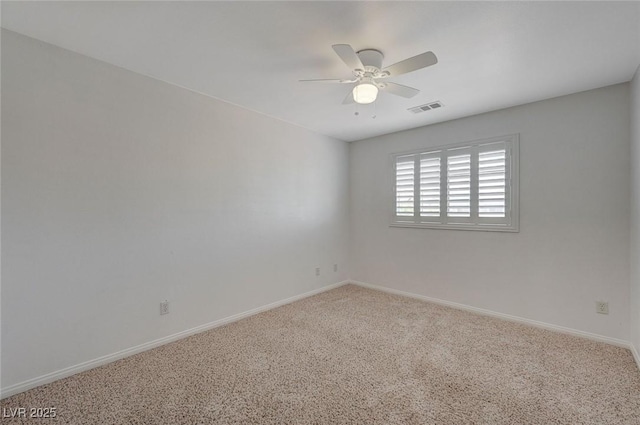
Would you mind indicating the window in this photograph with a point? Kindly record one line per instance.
(470, 186)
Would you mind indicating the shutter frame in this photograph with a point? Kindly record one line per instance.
(508, 223)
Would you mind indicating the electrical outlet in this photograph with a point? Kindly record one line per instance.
(335, 268)
(164, 307)
(602, 307)
(317, 271)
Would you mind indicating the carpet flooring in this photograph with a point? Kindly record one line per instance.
(355, 356)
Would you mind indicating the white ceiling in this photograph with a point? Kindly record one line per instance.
(491, 55)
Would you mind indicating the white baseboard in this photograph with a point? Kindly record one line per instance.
(72, 370)
(484, 312)
(636, 355)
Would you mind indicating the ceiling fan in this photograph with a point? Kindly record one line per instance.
(370, 77)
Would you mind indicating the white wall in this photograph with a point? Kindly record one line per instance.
(573, 244)
(120, 191)
(635, 212)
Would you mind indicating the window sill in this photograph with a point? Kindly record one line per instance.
(476, 227)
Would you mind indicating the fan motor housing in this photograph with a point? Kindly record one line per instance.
(371, 58)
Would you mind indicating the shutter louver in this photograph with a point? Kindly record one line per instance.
(492, 183)
(405, 175)
(459, 186)
(430, 187)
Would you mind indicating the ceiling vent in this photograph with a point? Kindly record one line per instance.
(426, 107)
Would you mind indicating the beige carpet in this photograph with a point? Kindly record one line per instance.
(356, 356)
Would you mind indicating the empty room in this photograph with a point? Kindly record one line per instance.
(320, 212)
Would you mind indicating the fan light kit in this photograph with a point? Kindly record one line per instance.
(365, 92)
(370, 77)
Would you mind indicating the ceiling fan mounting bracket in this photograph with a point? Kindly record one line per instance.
(371, 59)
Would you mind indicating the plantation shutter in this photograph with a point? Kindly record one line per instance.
(459, 186)
(430, 187)
(405, 186)
(471, 186)
(494, 180)
(492, 183)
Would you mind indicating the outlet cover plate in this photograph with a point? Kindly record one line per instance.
(602, 307)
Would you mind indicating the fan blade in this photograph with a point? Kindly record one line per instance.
(349, 99)
(412, 64)
(328, 81)
(400, 90)
(348, 56)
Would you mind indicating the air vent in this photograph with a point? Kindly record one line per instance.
(426, 107)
